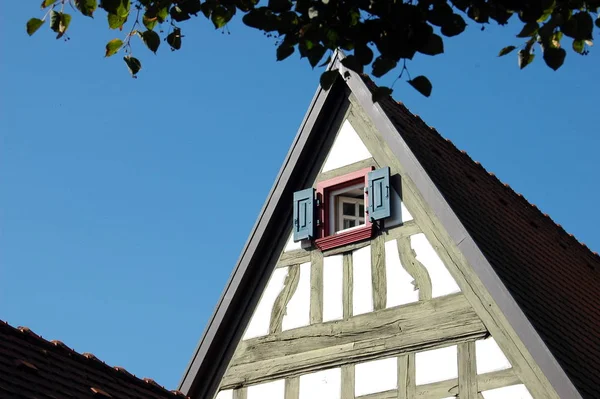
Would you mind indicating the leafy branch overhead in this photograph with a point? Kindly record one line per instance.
(379, 36)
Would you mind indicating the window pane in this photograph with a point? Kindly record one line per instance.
(348, 223)
(348, 209)
(361, 210)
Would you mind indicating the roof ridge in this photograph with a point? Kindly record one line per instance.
(559, 227)
(61, 348)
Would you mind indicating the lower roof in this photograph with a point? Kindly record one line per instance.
(32, 367)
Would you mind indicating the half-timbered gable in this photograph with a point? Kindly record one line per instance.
(359, 281)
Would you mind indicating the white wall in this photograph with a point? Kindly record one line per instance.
(324, 384)
(297, 313)
(268, 390)
(333, 308)
(442, 282)
(436, 365)
(512, 392)
(347, 149)
(376, 376)
(227, 394)
(400, 287)
(490, 357)
(259, 323)
(291, 245)
(362, 287)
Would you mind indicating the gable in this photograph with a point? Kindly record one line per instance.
(484, 297)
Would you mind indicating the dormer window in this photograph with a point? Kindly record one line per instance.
(348, 209)
(344, 208)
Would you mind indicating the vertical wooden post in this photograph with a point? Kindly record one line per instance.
(348, 283)
(292, 388)
(406, 376)
(467, 371)
(316, 287)
(347, 381)
(240, 393)
(378, 273)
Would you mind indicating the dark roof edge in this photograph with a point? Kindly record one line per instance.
(220, 313)
(461, 238)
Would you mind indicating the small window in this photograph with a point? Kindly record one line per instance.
(344, 209)
(349, 209)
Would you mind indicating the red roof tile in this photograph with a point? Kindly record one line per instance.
(32, 367)
(554, 278)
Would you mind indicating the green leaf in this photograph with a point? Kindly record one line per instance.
(162, 14)
(579, 46)
(525, 58)
(382, 65)
(554, 57)
(315, 54)
(506, 50)
(381, 93)
(33, 25)
(363, 54)
(422, 85)
(133, 64)
(115, 21)
(284, 51)
(178, 15)
(529, 29)
(353, 63)
(65, 21)
(579, 26)
(434, 45)
(151, 40)
(47, 3)
(279, 5)
(454, 26)
(220, 16)
(86, 7)
(148, 22)
(174, 39)
(328, 78)
(113, 46)
(55, 21)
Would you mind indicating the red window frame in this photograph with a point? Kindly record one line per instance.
(324, 189)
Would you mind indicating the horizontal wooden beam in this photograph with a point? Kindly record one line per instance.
(389, 332)
(294, 257)
(449, 388)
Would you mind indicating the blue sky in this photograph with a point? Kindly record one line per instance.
(124, 203)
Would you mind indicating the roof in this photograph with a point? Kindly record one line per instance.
(32, 367)
(543, 281)
(554, 278)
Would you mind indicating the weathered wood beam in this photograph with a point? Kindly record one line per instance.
(344, 170)
(467, 371)
(292, 388)
(407, 229)
(378, 273)
(406, 376)
(417, 271)
(348, 381)
(294, 257)
(347, 248)
(348, 285)
(449, 388)
(241, 393)
(289, 288)
(316, 287)
(423, 325)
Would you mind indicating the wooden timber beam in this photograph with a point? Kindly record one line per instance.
(415, 327)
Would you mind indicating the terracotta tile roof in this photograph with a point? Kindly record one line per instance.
(554, 278)
(32, 367)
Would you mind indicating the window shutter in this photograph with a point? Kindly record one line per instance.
(304, 214)
(379, 194)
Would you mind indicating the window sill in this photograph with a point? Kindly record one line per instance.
(344, 237)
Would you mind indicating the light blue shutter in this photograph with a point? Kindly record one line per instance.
(304, 214)
(379, 194)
